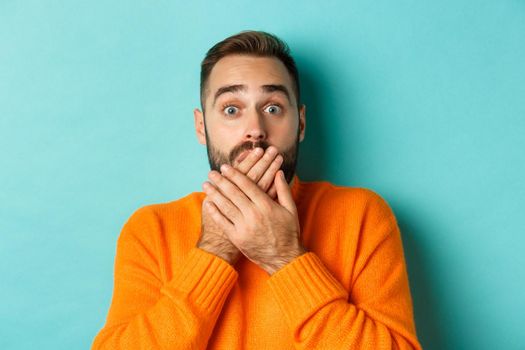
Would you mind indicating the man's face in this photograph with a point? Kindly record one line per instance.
(249, 102)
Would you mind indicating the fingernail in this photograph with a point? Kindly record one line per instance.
(225, 168)
(272, 150)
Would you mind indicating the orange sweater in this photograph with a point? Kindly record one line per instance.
(350, 291)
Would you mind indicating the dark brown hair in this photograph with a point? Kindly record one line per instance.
(254, 43)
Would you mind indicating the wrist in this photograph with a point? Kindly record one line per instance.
(222, 251)
(280, 262)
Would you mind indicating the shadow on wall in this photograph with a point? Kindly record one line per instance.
(428, 308)
(314, 164)
(329, 123)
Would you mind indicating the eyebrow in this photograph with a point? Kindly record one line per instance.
(277, 88)
(228, 88)
(269, 88)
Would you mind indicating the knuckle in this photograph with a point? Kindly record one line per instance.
(218, 179)
(212, 192)
(253, 215)
(215, 215)
(230, 212)
(263, 182)
(214, 185)
(266, 207)
(275, 165)
(243, 181)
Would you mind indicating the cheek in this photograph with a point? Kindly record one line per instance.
(284, 134)
(222, 137)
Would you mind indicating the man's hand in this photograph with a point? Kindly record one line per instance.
(260, 167)
(262, 172)
(266, 231)
(213, 239)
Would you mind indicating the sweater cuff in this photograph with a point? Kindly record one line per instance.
(204, 279)
(304, 286)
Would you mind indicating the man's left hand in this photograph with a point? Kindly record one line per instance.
(265, 231)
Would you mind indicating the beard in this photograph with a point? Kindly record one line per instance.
(216, 158)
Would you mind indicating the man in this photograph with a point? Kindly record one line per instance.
(260, 260)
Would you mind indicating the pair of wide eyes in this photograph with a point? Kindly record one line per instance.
(271, 109)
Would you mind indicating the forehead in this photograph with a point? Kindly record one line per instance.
(250, 71)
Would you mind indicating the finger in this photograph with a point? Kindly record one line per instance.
(226, 206)
(206, 217)
(267, 179)
(230, 191)
(284, 194)
(245, 185)
(257, 171)
(218, 216)
(250, 160)
(272, 192)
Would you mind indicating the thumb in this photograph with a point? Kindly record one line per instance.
(284, 194)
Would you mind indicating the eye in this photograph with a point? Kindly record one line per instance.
(273, 109)
(230, 110)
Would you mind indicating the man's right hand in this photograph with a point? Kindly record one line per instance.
(261, 168)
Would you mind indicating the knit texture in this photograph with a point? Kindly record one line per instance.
(349, 291)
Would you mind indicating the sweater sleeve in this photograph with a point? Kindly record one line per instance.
(375, 314)
(146, 313)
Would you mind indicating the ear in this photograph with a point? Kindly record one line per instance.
(302, 122)
(199, 126)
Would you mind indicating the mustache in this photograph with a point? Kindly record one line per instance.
(247, 145)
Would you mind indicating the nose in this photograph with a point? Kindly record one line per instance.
(255, 128)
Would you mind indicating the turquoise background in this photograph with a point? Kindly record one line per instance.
(421, 101)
